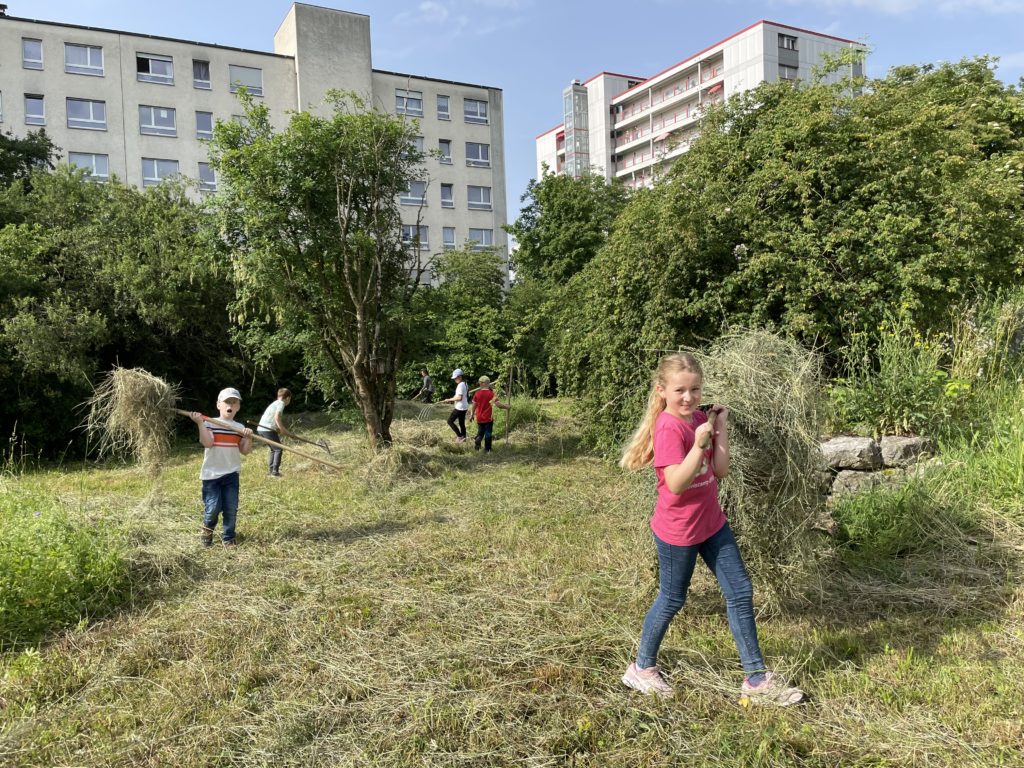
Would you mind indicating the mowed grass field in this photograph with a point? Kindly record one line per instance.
(438, 607)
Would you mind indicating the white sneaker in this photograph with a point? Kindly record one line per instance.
(773, 690)
(649, 681)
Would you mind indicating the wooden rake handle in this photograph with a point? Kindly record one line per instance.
(262, 439)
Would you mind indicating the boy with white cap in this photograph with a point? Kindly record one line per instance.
(222, 464)
(457, 418)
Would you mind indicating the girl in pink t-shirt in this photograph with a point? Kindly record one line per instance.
(690, 453)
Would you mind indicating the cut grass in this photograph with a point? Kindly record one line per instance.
(481, 614)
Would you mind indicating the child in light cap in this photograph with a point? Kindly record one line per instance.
(222, 465)
(484, 399)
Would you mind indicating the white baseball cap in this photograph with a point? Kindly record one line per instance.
(227, 393)
(456, 373)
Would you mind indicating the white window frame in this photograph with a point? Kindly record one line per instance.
(445, 158)
(448, 202)
(91, 166)
(483, 239)
(787, 42)
(151, 77)
(198, 82)
(483, 203)
(447, 244)
(91, 68)
(480, 150)
(31, 118)
(91, 123)
(409, 198)
(236, 82)
(157, 177)
(411, 231)
(207, 184)
(480, 113)
(1, 106)
(151, 128)
(202, 133)
(446, 113)
(404, 102)
(31, 63)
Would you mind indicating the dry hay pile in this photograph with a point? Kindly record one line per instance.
(773, 388)
(131, 413)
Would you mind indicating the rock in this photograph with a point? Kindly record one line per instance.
(852, 453)
(900, 451)
(850, 481)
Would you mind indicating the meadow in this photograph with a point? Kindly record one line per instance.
(438, 607)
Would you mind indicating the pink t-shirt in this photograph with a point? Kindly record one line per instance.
(693, 516)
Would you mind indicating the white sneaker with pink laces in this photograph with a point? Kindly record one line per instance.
(649, 680)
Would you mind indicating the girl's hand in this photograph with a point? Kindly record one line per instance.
(702, 435)
(720, 417)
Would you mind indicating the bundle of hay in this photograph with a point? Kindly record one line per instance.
(131, 413)
(773, 388)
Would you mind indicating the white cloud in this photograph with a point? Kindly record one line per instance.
(427, 12)
(1011, 62)
(896, 7)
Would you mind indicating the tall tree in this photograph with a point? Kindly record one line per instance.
(311, 218)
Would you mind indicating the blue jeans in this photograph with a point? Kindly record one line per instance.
(274, 462)
(484, 430)
(676, 566)
(221, 496)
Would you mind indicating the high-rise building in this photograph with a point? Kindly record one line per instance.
(143, 107)
(630, 128)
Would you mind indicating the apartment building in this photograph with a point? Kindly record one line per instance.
(631, 128)
(142, 107)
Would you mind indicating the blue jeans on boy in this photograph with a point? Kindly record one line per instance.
(484, 430)
(676, 566)
(220, 496)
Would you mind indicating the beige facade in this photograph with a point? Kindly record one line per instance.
(140, 107)
(636, 126)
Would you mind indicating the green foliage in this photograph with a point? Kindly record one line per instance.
(54, 571)
(20, 156)
(94, 274)
(810, 209)
(310, 218)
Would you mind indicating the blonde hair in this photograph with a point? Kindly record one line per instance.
(639, 452)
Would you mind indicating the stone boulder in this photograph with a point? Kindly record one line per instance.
(850, 481)
(860, 453)
(900, 451)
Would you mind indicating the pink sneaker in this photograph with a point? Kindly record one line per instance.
(773, 690)
(648, 681)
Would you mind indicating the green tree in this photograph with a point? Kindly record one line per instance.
(310, 216)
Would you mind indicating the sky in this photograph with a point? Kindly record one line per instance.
(532, 49)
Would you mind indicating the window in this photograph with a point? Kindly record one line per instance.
(207, 178)
(413, 236)
(787, 73)
(447, 195)
(482, 238)
(150, 68)
(91, 115)
(443, 108)
(35, 110)
(415, 148)
(31, 53)
(83, 59)
(204, 125)
(788, 42)
(251, 78)
(201, 74)
(415, 195)
(475, 111)
(478, 155)
(97, 166)
(409, 102)
(444, 146)
(154, 171)
(157, 121)
(479, 198)
(448, 238)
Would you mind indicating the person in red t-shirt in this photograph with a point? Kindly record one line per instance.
(690, 454)
(481, 409)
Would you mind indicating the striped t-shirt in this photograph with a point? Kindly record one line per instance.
(223, 458)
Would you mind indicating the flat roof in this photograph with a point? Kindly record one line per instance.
(144, 35)
(435, 79)
(560, 125)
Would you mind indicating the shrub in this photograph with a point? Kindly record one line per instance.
(54, 571)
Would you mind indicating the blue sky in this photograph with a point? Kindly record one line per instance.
(531, 49)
